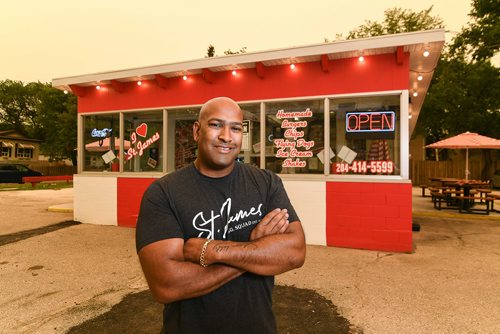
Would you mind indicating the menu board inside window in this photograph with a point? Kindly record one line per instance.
(295, 131)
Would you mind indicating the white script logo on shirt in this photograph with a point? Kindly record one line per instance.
(207, 224)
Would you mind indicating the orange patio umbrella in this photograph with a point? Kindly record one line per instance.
(467, 140)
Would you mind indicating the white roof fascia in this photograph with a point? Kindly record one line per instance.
(364, 44)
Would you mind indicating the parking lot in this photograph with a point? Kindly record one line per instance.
(58, 279)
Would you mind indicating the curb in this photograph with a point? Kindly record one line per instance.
(63, 208)
(462, 216)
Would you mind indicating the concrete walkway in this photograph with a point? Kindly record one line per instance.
(449, 284)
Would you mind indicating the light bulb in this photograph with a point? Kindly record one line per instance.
(420, 77)
(415, 94)
(234, 72)
(292, 66)
(98, 87)
(139, 83)
(361, 59)
(426, 53)
(65, 91)
(184, 77)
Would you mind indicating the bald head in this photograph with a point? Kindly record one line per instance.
(218, 133)
(218, 103)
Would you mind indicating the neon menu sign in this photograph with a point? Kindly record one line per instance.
(370, 124)
(294, 148)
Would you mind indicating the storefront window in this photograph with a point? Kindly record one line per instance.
(181, 145)
(250, 146)
(294, 137)
(101, 142)
(364, 133)
(143, 150)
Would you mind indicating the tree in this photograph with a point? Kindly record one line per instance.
(229, 52)
(211, 51)
(397, 20)
(462, 97)
(42, 112)
(481, 38)
(15, 105)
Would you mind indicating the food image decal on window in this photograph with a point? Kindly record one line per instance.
(141, 141)
(293, 147)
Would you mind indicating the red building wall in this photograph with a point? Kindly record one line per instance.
(369, 215)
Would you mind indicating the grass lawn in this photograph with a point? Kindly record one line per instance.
(42, 185)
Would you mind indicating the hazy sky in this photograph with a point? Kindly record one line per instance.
(46, 39)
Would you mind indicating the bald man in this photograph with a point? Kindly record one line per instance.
(212, 235)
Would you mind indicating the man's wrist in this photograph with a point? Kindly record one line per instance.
(203, 261)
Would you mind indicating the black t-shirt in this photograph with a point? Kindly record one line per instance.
(186, 204)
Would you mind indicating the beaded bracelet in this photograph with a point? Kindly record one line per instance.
(202, 254)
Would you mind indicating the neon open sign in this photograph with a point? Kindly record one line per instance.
(370, 121)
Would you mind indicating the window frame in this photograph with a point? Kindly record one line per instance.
(403, 136)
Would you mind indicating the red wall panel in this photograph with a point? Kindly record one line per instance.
(376, 73)
(380, 218)
(130, 191)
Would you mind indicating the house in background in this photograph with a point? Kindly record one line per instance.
(15, 146)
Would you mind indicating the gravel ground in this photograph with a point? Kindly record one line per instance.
(56, 281)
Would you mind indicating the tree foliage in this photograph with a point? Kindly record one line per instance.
(397, 20)
(41, 112)
(481, 38)
(462, 97)
(211, 51)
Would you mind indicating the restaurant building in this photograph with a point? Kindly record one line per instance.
(334, 120)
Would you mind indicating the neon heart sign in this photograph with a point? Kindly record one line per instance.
(140, 146)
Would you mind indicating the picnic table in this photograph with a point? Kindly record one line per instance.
(461, 194)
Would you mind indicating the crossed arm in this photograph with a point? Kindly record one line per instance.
(172, 266)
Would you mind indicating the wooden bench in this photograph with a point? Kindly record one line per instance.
(467, 203)
(493, 198)
(34, 180)
(483, 193)
(423, 186)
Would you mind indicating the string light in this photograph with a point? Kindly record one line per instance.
(184, 77)
(292, 66)
(420, 77)
(361, 59)
(98, 87)
(65, 91)
(426, 53)
(139, 83)
(234, 72)
(415, 94)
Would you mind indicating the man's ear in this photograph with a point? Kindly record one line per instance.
(196, 130)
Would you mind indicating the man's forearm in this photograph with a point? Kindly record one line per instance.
(175, 279)
(269, 255)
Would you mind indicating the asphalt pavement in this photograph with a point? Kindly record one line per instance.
(60, 278)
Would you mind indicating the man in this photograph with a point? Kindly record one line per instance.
(211, 236)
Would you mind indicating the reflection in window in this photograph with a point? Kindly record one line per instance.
(364, 133)
(101, 142)
(143, 151)
(181, 145)
(250, 145)
(294, 137)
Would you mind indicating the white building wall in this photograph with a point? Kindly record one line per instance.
(95, 199)
(309, 200)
